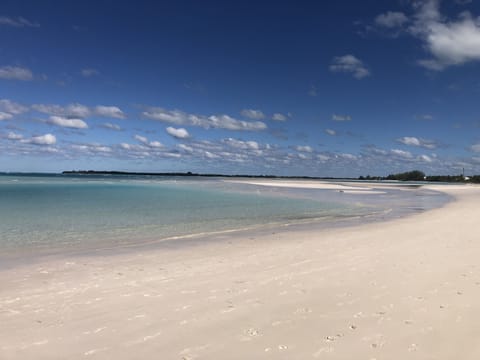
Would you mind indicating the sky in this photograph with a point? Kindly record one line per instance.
(313, 88)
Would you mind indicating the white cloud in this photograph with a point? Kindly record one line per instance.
(12, 107)
(331, 132)
(475, 148)
(47, 139)
(210, 155)
(449, 42)
(391, 19)
(349, 64)
(347, 156)
(89, 72)
(71, 110)
(178, 117)
(93, 149)
(18, 22)
(155, 144)
(5, 116)
(239, 144)
(15, 73)
(425, 158)
(336, 117)
(253, 114)
(67, 122)
(305, 148)
(141, 139)
(279, 117)
(185, 147)
(413, 141)
(109, 111)
(111, 126)
(145, 141)
(14, 136)
(79, 111)
(402, 153)
(179, 133)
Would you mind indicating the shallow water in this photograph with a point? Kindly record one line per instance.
(47, 214)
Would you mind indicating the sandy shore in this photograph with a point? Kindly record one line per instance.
(404, 289)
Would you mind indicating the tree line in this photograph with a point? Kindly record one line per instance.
(417, 175)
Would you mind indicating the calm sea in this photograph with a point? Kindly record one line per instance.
(52, 213)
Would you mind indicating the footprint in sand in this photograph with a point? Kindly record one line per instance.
(412, 347)
(323, 350)
(303, 311)
(252, 332)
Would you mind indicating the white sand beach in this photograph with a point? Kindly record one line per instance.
(402, 289)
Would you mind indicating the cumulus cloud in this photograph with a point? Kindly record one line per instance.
(253, 114)
(5, 116)
(391, 19)
(67, 122)
(349, 64)
(145, 141)
(279, 117)
(12, 107)
(449, 42)
(179, 133)
(414, 141)
(109, 111)
(178, 117)
(15, 73)
(331, 132)
(336, 117)
(47, 139)
(89, 72)
(18, 22)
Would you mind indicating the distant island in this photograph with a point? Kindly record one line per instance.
(187, 174)
(414, 175)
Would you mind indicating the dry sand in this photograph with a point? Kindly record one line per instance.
(404, 289)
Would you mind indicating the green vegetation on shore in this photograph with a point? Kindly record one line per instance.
(417, 175)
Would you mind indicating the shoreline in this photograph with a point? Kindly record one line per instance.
(405, 288)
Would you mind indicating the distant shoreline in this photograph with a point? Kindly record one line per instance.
(187, 174)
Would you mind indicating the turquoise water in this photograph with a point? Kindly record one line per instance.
(49, 213)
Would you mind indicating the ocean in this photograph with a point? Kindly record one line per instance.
(50, 214)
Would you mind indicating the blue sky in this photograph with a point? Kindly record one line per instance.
(320, 88)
